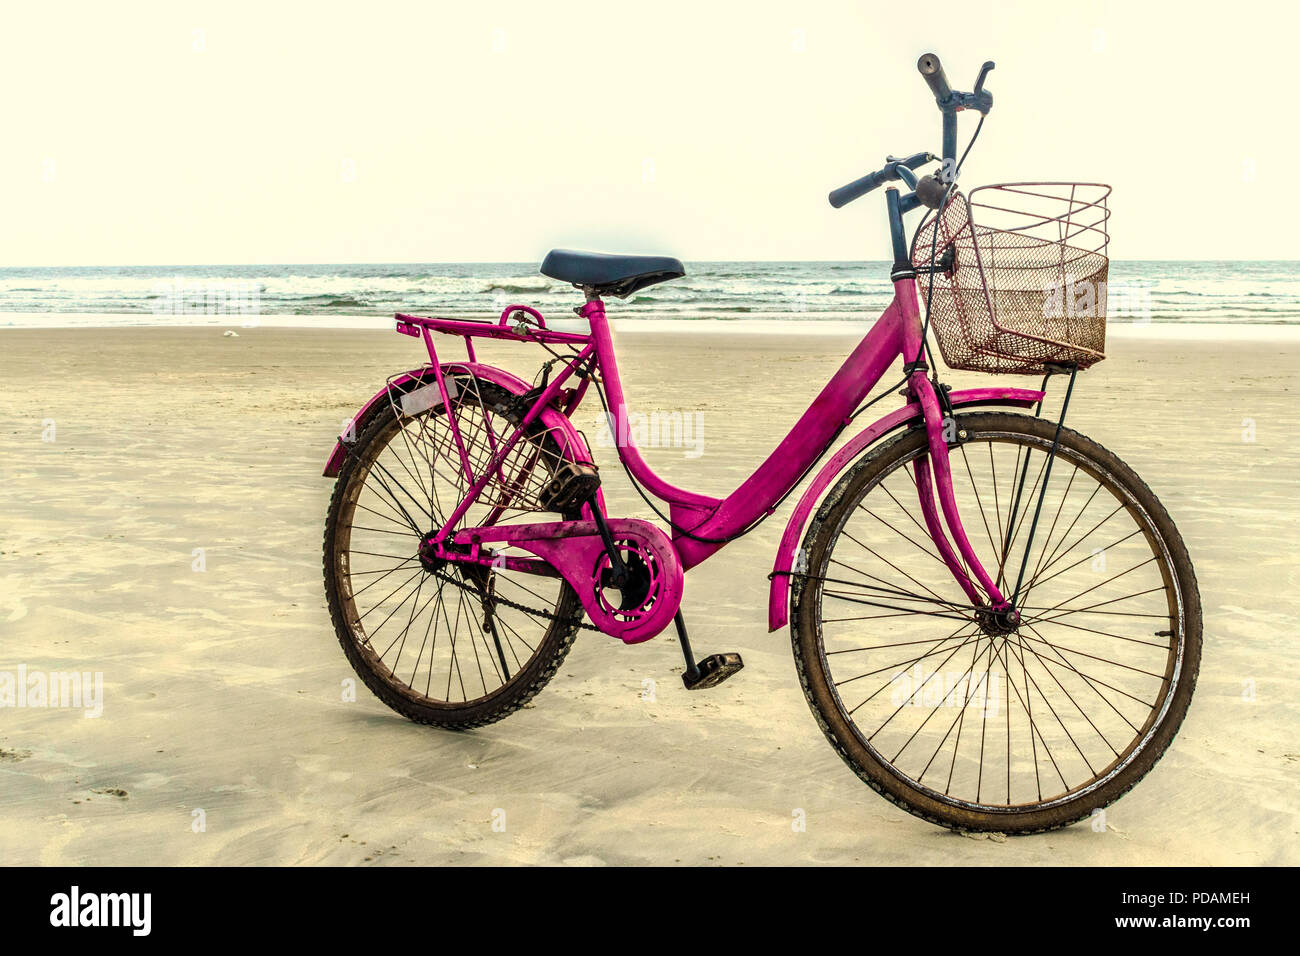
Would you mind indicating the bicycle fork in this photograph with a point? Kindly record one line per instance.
(933, 473)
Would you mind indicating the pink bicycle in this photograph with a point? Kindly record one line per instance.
(995, 622)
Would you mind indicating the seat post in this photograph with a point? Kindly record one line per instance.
(594, 306)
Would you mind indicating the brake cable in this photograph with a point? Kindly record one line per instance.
(934, 242)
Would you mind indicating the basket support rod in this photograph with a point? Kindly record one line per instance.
(1047, 474)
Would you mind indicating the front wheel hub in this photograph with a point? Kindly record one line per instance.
(998, 621)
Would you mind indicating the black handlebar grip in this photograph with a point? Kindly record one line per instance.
(932, 70)
(856, 189)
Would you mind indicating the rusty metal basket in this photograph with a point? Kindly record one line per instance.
(1019, 273)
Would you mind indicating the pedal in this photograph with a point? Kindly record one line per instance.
(572, 486)
(712, 671)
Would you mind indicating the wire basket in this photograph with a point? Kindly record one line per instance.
(1019, 273)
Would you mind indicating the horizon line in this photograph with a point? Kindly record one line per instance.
(518, 262)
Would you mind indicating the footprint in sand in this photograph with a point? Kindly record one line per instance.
(12, 603)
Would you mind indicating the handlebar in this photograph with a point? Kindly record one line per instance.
(887, 173)
(950, 101)
(932, 70)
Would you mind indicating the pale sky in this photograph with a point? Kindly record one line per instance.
(229, 132)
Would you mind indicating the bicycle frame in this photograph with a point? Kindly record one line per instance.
(896, 334)
(702, 525)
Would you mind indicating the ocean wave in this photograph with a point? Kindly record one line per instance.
(540, 284)
(1191, 292)
(322, 302)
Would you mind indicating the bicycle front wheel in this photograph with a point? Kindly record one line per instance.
(964, 719)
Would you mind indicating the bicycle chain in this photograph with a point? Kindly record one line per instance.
(497, 599)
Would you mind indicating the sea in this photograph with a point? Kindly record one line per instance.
(1184, 292)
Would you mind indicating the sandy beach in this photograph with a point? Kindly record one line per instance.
(224, 738)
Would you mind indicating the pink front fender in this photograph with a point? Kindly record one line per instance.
(778, 603)
(489, 373)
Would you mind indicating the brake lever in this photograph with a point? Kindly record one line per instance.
(983, 101)
(902, 166)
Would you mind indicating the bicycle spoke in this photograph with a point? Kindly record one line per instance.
(884, 588)
(395, 568)
(853, 600)
(920, 657)
(1092, 682)
(876, 554)
(912, 696)
(978, 500)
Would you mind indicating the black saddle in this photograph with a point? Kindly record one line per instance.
(610, 275)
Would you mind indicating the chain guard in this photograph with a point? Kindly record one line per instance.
(575, 549)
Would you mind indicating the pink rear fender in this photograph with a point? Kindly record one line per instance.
(778, 604)
(551, 417)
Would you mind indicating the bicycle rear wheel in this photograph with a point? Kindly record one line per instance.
(956, 716)
(443, 643)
